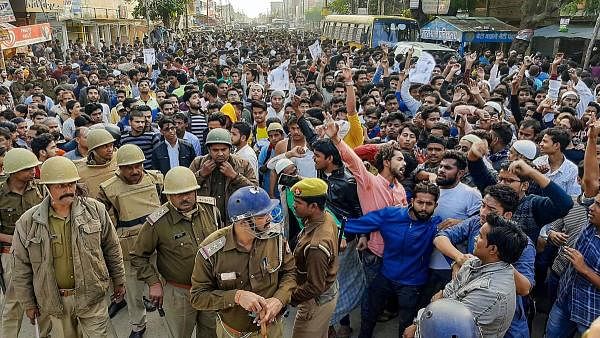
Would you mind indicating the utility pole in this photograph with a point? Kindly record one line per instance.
(186, 17)
(588, 53)
(147, 5)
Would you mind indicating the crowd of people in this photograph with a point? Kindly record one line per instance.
(239, 177)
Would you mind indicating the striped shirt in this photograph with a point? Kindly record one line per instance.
(146, 141)
(571, 224)
(198, 124)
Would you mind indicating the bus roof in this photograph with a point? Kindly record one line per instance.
(363, 19)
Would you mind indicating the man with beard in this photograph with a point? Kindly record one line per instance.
(325, 80)
(408, 233)
(198, 121)
(93, 96)
(436, 146)
(102, 95)
(276, 107)
(457, 202)
(220, 173)
(374, 192)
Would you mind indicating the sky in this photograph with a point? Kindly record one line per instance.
(252, 8)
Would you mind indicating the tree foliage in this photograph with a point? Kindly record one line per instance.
(168, 11)
(313, 14)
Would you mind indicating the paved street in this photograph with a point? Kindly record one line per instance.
(157, 329)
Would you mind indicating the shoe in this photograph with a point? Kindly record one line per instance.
(114, 308)
(386, 316)
(137, 334)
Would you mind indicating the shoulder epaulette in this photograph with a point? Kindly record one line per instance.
(318, 247)
(206, 200)
(212, 247)
(155, 216)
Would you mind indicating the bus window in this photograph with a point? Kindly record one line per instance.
(392, 32)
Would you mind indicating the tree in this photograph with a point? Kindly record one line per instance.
(313, 15)
(168, 11)
(339, 6)
(534, 13)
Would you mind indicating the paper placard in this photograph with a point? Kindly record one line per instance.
(315, 50)
(421, 73)
(149, 56)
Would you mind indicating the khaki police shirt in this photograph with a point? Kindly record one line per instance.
(176, 241)
(13, 205)
(222, 267)
(316, 258)
(60, 236)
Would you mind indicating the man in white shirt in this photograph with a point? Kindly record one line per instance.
(554, 164)
(240, 133)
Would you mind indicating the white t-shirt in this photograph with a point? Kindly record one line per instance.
(248, 154)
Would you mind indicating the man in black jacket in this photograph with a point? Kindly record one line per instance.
(172, 151)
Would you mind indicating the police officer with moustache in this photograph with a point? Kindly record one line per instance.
(175, 232)
(100, 164)
(316, 257)
(130, 196)
(220, 173)
(66, 254)
(245, 271)
(17, 194)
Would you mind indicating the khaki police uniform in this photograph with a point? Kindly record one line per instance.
(93, 174)
(65, 266)
(316, 257)
(129, 205)
(222, 267)
(220, 186)
(12, 206)
(176, 240)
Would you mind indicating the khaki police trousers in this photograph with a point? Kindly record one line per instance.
(312, 320)
(135, 288)
(91, 322)
(12, 311)
(274, 330)
(182, 317)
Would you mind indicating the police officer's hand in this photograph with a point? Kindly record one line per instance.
(410, 331)
(118, 293)
(227, 170)
(155, 293)
(273, 306)
(249, 301)
(207, 168)
(31, 314)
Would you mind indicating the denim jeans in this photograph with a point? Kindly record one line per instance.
(371, 264)
(380, 289)
(560, 324)
(552, 281)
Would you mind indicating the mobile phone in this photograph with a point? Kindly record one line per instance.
(288, 180)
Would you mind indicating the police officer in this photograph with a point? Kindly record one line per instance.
(175, 232)
(100, 164)
(66, 253)
(316, 257)
(245, 271)
(130, 196)
(17, 194)
(220, 173)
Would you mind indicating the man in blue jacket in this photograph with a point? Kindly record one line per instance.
(408, 235)
(501, 200)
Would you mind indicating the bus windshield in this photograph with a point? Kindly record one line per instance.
(392, 32)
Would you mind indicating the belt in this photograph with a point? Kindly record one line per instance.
(181, 286)
(133, 222)
(231, 330)
(66, 292)
(5, 249)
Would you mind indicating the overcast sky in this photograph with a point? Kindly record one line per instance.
(250, 7)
